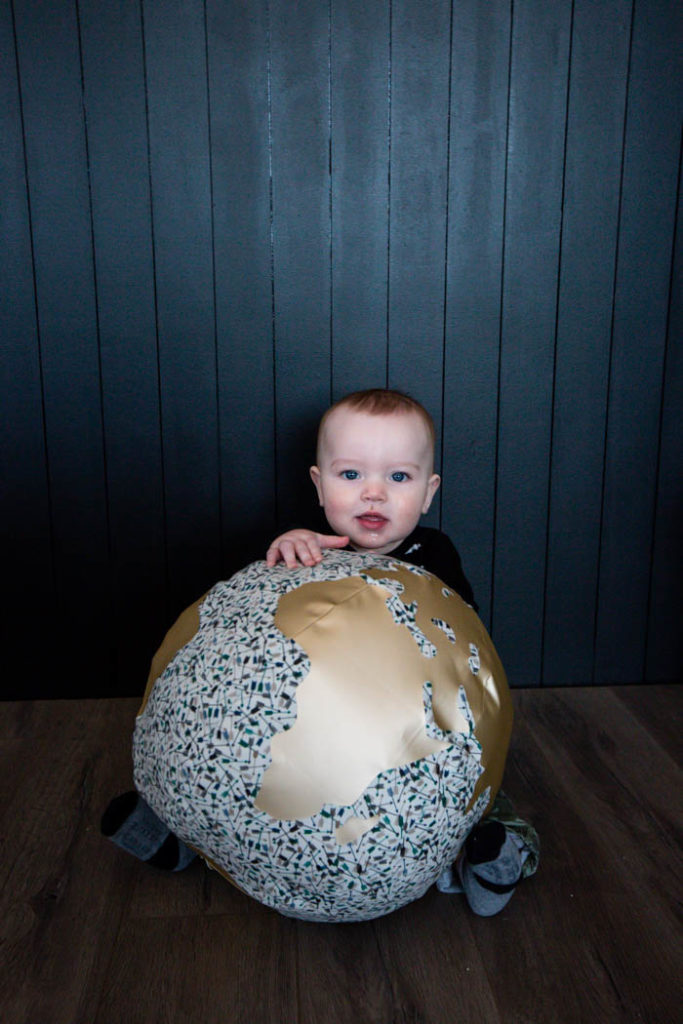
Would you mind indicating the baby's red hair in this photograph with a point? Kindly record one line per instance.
(380, 402)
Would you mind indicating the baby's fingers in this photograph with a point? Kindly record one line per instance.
(294, 553)
(308, 551)
(301, 547)
(288, 553)
(273, 555)
(332, 540)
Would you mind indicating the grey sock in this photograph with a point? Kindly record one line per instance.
(449, 881)
(132, 824)
(490, 868)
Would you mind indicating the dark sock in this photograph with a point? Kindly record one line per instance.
(132, 824)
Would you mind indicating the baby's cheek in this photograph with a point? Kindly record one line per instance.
(411, 504)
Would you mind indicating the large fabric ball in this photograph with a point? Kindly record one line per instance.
(325, 737)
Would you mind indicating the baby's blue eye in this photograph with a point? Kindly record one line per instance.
(350, 474)
(399, 476)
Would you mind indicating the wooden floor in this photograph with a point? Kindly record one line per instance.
(91, 936)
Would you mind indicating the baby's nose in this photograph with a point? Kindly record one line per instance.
(374, 490)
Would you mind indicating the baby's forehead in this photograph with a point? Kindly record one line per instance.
(346, 417)
(345, 422)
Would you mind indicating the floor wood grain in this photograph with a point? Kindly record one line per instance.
(90, 936)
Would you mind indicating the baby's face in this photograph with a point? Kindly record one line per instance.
(375, 477)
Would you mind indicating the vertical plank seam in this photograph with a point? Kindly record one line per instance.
(36, 312)
(389, 115)
(496, 458)
(162, 452)
(662, 392)
(553, 388)
(446, 259)
(330, 192)
(219, 447)
(271, 226)
(112, 666)
(297, 971)
(610, 354)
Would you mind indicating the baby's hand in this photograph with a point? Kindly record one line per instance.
(302, 547)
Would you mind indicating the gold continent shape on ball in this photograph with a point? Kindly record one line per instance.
(315, 615)
(360, 709)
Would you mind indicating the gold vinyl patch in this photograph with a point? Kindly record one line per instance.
(360, 709)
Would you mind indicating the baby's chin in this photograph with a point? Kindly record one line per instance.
(367, 546)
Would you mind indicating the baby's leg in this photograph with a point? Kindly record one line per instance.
(497, 854)
(132, 824)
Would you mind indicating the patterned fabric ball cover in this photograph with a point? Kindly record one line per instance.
(327, 737)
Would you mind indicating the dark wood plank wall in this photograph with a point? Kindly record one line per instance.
(216, 217)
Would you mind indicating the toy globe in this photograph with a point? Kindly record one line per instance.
(325, 737)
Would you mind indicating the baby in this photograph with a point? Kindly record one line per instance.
(375, 478)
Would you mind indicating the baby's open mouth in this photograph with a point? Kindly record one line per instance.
(372, 520)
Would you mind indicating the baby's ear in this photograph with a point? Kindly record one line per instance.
(316, 478)
(432, 488)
